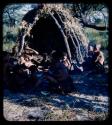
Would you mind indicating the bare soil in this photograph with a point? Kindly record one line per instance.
(88, 102)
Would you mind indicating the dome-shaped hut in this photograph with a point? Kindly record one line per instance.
(52, 27)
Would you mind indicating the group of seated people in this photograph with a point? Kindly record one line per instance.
(95, 59)
(55, 77)
(25, 74)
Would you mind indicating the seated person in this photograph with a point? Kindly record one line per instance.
(88, 63)
(17, 77)
(98, 58)
(33, 79)
(66, 61)
(9, 63)
(72, 68)
(90, 51)
(58, 77)
(25, 59)
(37, 80)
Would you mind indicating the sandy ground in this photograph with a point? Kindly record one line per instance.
(88, 102)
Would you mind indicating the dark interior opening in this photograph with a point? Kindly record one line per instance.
(46, 36)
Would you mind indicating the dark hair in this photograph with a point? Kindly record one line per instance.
(57, 55)
(97, 46)
(64, 54)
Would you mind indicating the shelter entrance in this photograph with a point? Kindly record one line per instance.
(46, 36)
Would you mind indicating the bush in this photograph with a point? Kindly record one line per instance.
(9, 38)
(96, 37)
(7, 46)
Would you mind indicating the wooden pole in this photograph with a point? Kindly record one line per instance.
(63, 34)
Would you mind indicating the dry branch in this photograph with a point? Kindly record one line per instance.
(64, 37)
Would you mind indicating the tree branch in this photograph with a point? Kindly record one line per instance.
(102, 28)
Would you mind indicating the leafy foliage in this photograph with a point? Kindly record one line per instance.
(90, 15)
(97, 37)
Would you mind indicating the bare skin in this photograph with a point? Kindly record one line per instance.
(100, 57)
(66, 62)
